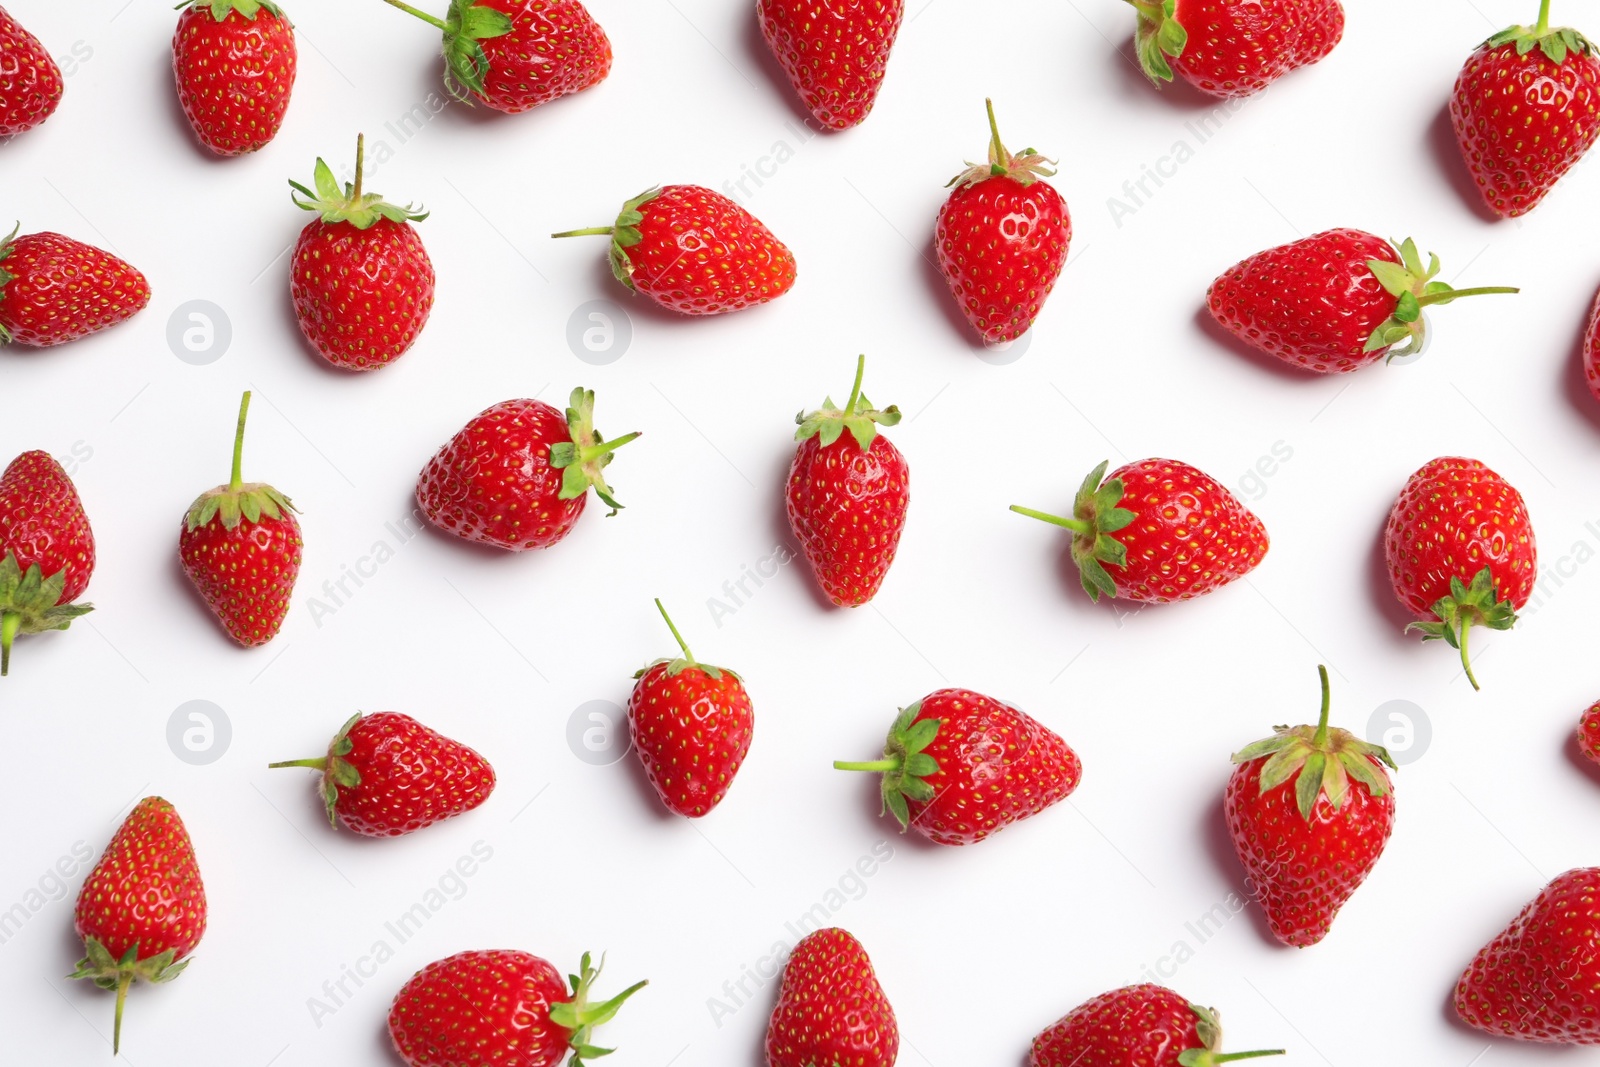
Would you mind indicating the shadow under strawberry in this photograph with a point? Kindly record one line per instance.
(757, 53)
(1214, 834)
(1381, 589)
(1446, 151)
(1575, 381)
(1277, 368)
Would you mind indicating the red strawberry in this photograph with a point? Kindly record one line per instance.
(1526, 108)
(695, 252)
(46, 550)
(142, 910)
(1539, 979)
(1002, 238)
(386, 774)
(1139, 1026)
(831, 1009)
(499, 1009)
(54, 289)
(1310, 810)
(1179, 532)
(240, 546)
(960, 766)
(1591, 350)
(691, 725)
(835, 54)
(362, 282)
(1335, 301)
(1589, 733)
(234, 62)
(517, 54)
(517, 476)
(30, 81)
(1232, 48)
(1461, 552)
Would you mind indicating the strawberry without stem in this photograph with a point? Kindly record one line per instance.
(46, 550)
(1138, 1026)
(834, 54)
(30, 82)
(1589, 733)
(234, 62)
(54, 289)
(831, 1009)
(1233, 48)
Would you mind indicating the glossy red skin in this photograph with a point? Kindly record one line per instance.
(1539, 979)
(1453, 518)
(42, 522)
(1190, 535)
(234, 77)
(489, 1009)
(30, 82)
(702, 254)
(245, 575)
(1591, 350)
(1139, 1026)
(493, 483)
(1001, 248)
(411, 777)
(362, 297)
(1524, 121)
(835, 52)
(146, 887)
(692, 733)
(1589, 733)
(1312, 303)
(555, 47)
(847, 508)
(1239, 47)
(63, 289)
(831, 1009)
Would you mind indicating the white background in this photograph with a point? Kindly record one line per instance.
(978, 948)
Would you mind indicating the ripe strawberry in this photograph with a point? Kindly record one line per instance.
(234, 62)
(397, 776)
(960, 766)
(54, 289)
(517, 476)
(1138, 1026)
(1002, 238)
(1461, 552)
(831, 1009)
(1179, 532)
(1526, 108)
(691, 725)
(499, 1009)
(848, 495)
(834, 54)
(240, 546)
(1310, 810)
(30, 81)
(1233, 48)
(1539, 979)
(142, 910)
(695, 252)
(1591, 350)
(46, 550)
(1333, 302)
(362, 282)
(517, 54)
(1589, 733)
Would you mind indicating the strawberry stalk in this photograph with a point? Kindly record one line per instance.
(238, 499)
(1477, 604)
(1159, 36)
(905, 766)
(465, 26)
(350, 203)
(10, 624)
(687, 660)
(29, 604)
(581, 1017)
(1025, 168)
(624, 234)
(1096, 515)
(858, 416)
(1209, 1028)
(583, 459)
(109, 973)
(1414, 288)
(336, 771)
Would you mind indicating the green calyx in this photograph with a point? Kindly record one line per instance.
(221, 9)
(465, 26)
(349, 204)
(1025, 168)
(108, 972)
(905, 766)
(1210, 1031)
(1159, 36)
(682, 663)
(238, 499)
(1414, 287)
(829, 423)
(1477, 604)
(1555, 42)
(337, 772)
(29, 604)
(1095, 517)
(624, 234)
(581, 1017)
(582, 459)
(1324, 759)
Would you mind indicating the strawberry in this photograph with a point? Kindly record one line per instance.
(142, 910)
(1591, 350)
(1002, 239)
(240, 546)
(695, 252)
(831, 1009)
(1589, 733)
(1179, 532)
(517, 54)
(54, 289)
(691, 725)
(1461, 552)
(386, 774)
(1539, 979)
(960, 766)
(30, 81)
(1138, 1026)
(1310, 810)
(1333, 302)
(362, 282)
(499, 1009)
(834, 54)
(1233, 48)
(234, 62)
(1526, 107)
(848, 495)
(46, 550)
(517, 476)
